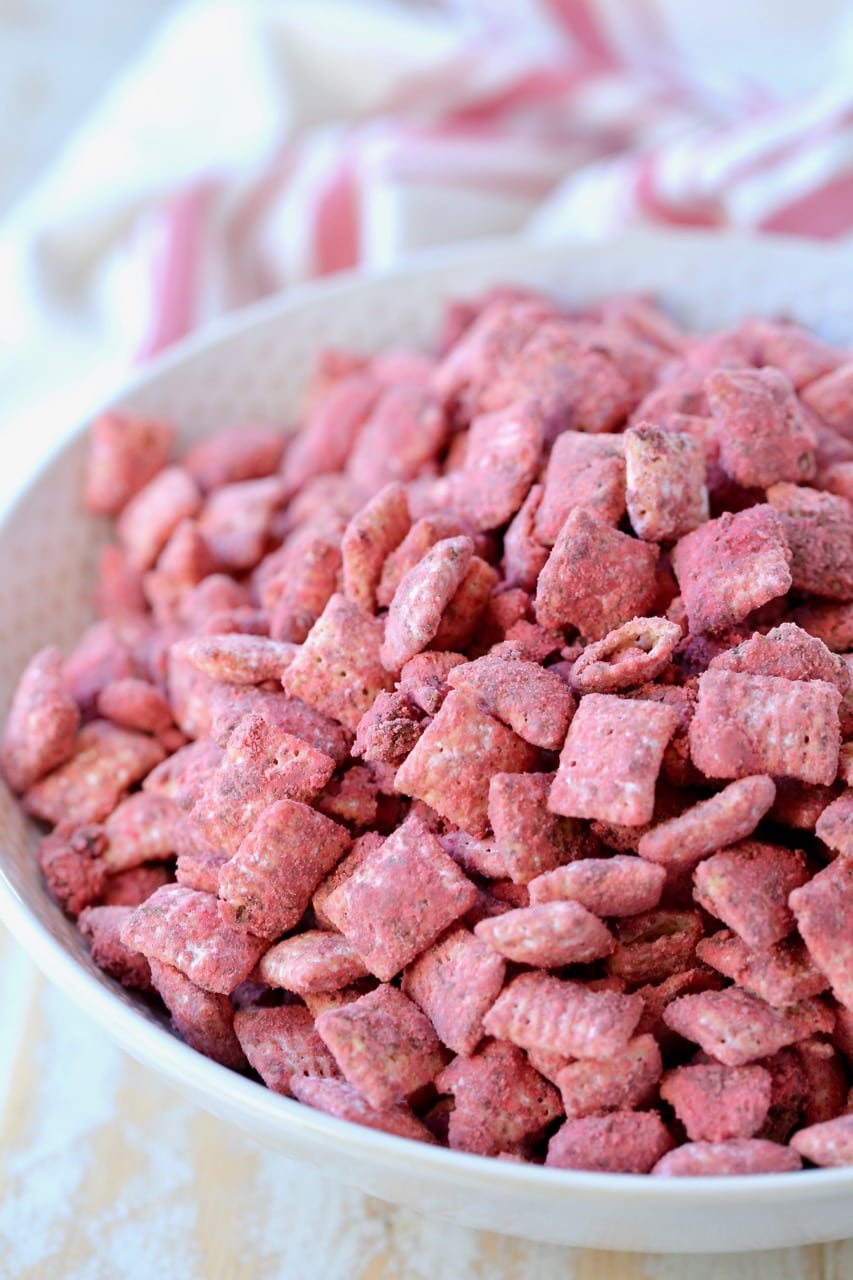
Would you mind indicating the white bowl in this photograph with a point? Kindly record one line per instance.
(253, 367)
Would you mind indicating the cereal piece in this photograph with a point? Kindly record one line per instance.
(234, 454)
(405, 430)
(621, 1142)
(235, 520)
(101, 927)
(460, 619)
(338, 669)
(583, 471)
(100, 656)
(501, 463)
(764, 434)
(296, 593)
(383, 1044)
(617, 886)
(548, 935)
(267, 885)
(237, 659)
(183, 928)
(319, 1001)
(410, 867)
(370, 537)
(782, 975)
(229, 704)
(831, 398)
(732, 565)
(835, 825)
(787, 651)
(281, 1043)
(819, 531)
(42, 724)
(200, 868)
(185, 561)
(452, 763)
(499, 330)
(634, 653)
(136, 885)
(352, 797)
(830, 622)
(118, 587)
(800, 355)
(611, 760)
(344, 1102)
(88, 786)
(215, 594)
(135, 704)
(454, 982)
(666, 494)
(747, 887)
(531, 839)
(657, 996)
(822, 911)
(182, 775)
(826, 1080)
(524, 557)
(191, 693)
(361, 846)
(717, 1103)
(736, 1028)
(125, 453)
(415, 612)
(389, 730)
(500, 1102)
(595, 578)
(140, 829)
(716, 1159)
(330, 431)
(152, 515)
(72, 865)
(204, 1019)
(654, 945)
(541, 1012)
(313, 961)
(424, 679)
(712, 824)
(747, 725)
(533, 702)
(829, 1145)
(616, 1084)
(421, 538)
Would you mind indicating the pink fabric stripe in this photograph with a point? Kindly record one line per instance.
(824, 212)
(579, 19)
(336, 223)
(653, 203)
(175, 275)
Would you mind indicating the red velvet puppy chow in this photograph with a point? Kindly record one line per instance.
(730, 566)
(338, 670)
(369, 538)
(547, 935)
(125, 452)
(531, 839)
(764, 434)
(621, 1142)
(717, 1103)
(455, 981)
(636, 652)
(539, 1011)
(666, 494)
(414, 615)
(105, 761)
(782, 975)
(454, 759)
(822, 910)
(282, 1043)
(747, 887)
(101, 927)
(500, 1102)
(737, 1157)
(611, 760)
(529, 699)
(205, 1019)
(747, 725)
(819, 530)
(595, 578)
(501, 463)
(617, 886)
(828, 1145)
(735, 1027)
(399, 899)
(592, 1087)
(344, 1102)
(721, 820)
(583, 471)
(42, 724)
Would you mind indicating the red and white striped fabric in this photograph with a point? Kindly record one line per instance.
(256, 144)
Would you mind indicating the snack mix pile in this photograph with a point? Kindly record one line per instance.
(473, 764)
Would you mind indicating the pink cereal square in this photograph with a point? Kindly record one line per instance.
(369, 538)
(106, 761)
(133, 703)
(281, 1043)
(267, 885)
(338, 669)
(152, 515)
(126, 451)
(716, 1103)
(732, 565)
(822, 912)
(101, 927)
(388, 731)
(782, 975)
(424, 534)
(229, 704)
(501, 463)
(461, 617)
(454, 759)
(234, 454)
(524, 556)
(595, 578)
(764, 434)
(526, 697)
(593, 1087)
(501, 1104)
(140, 829)
(454, 982)
(260, 765)
(344, 1102)
(611, 760)
(721, 820)
(747, 725)
(414, 615)
(100, 656)
(583, 471)
(404, 432)
(204, 1019)
(310, 962)
(829, 1144)
(531, 839)
(235, 521)
(352, 797)
(200, 868)
(296, 582)
(330, 430)
(835, 825)
(617, 886)
(831, 398)
(136, 885)
(547, 935)
(666, 491)
(538, 1011)
(183, 928)
(818, 528)
(42, 724)
(736, 1028)
(361, 847)
(737, 1157)
(383, 1045)
(373, 907)
(236, 659)
(620, 1142)
(424, 679)
(747, 887)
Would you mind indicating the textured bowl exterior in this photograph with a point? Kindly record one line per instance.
(254, 367)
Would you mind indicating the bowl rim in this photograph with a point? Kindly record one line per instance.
(158, 1048)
